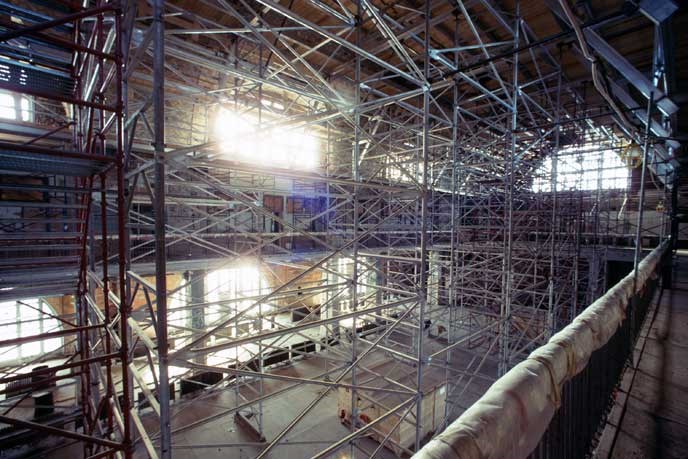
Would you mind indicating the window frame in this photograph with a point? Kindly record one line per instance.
(45, 324)
(19, 111)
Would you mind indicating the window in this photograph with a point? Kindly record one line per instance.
(344, 266)
(242, 138)
(15, 107)
(178, 317)
(583, 170)
(232, 284)
(25, 318)
(412, 168)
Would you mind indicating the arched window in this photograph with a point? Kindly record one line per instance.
(15, 106)
(26, 318)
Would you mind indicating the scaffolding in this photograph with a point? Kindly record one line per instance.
(71, 67)
(449, 227)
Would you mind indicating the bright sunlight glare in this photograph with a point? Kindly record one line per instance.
(243, 140)
(583, 170)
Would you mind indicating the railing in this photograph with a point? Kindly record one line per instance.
(553, 403)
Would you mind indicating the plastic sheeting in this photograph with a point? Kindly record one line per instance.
(510, 418)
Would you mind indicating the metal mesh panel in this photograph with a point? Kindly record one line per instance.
(47, 164)
(15, 74)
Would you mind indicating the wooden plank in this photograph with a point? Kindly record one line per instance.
(144, 388)
(117, 415)
(144, 436)
(143, 336)
(251, 430)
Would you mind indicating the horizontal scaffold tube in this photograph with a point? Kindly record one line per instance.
(509, 420)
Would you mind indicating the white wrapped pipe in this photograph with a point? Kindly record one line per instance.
(509, 420)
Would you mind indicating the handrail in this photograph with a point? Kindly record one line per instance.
(512, 416)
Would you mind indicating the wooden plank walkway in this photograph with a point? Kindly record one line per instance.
(650, 417)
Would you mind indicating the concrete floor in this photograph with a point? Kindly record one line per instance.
(212, 439)
(64, 394)
(653, 423)
(322, 424)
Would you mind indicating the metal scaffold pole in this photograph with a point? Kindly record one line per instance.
(319, 216)
(424, 203)
(505, 326)
(641, 192)
(552, 312)
(160, 223)
(355, 172)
